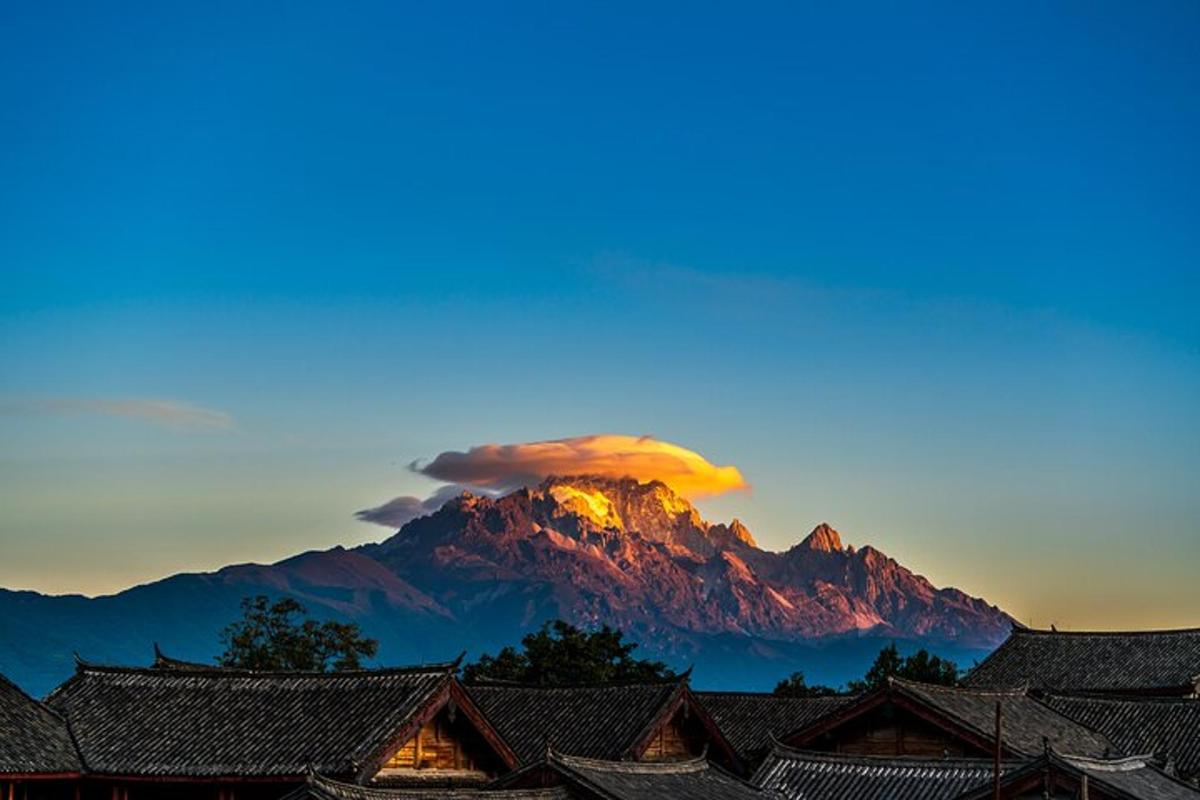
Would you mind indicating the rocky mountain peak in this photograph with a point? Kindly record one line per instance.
(742, 533)
(639, 557)
(623, 503)
(823, 539)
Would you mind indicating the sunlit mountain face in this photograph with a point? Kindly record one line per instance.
(481, 570)
(638, 556)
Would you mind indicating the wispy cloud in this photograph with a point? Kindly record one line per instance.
(165, 413)
(400, 510)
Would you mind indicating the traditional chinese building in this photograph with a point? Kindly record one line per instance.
(594, 779)
(1132, 662)
(182, 730)
(751, 720)
(1166, 727)
(906, 718)
(640, 722)
(1060, 777)
(319, 787)
(38, 760)
(803, 775)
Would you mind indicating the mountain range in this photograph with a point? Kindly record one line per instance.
(481, 570)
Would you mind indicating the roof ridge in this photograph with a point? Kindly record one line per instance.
(695, 764)
(1109, 764)
(1144, 632)
(502, 684)
(938, 687)
(40, 704)
(1138, 699)
(6, 681)
(217, 671)
(1147, 762)
(780, 749)
(771, 695)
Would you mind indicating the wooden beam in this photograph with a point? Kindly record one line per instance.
(996, 762)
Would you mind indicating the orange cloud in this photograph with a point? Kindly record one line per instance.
(503, 467)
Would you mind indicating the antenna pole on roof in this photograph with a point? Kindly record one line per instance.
(996, 762)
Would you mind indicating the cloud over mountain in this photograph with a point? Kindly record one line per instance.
(504, 467)
(400, 510)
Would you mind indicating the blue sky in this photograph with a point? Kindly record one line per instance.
(927, 272)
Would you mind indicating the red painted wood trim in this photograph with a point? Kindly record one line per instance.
(99, 777)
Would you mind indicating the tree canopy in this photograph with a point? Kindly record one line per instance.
(794, 685)
(280, 636)
(920, 666)
(560, 654)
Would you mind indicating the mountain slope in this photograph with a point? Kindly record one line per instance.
(639, 557)
(481, 571)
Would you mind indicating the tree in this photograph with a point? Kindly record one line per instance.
(270, 637)
(794, 685)
(920, 666)
(560, 654)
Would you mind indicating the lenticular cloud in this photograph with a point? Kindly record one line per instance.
(504, 467)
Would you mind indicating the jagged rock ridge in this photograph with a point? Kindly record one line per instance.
(482, 571)
(638, 556)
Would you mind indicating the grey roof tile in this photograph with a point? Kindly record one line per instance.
(601, 722)
(222, 722)
(695, 779)
(1164, 727)
(1138, 661)
(1130, 778)
(750, 719)
(319, 787)
(33, 738)
(800, 775)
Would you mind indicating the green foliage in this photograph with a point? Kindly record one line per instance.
(269, 636)
(794, 685)
(920, 666)
(560, 654)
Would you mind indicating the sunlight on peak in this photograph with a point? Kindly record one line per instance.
(591, 504)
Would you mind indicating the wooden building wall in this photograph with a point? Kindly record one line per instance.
(446, 743)
(679, 739)
(890, 731)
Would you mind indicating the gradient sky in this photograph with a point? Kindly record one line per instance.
(929, 272)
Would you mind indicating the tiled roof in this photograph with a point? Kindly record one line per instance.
(318, 787)
(1026, 722)
(1165, 727)
(1133, 778)
(1143, 661)
(164, 661)
(594, 721)
(33, 739)
(799, 775)
(749, 719)
(224, 722)
(696, 779)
